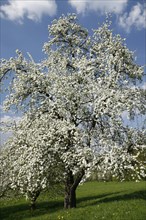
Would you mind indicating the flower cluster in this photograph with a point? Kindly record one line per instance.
(72, 104)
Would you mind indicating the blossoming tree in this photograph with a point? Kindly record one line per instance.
(73, 102)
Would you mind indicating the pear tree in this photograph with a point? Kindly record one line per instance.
(72, 104)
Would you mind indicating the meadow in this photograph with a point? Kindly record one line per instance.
(95, 200)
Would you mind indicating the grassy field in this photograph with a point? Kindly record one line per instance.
(108, 201)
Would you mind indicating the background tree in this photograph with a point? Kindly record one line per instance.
(4, 172)
(26, 166)
(73, 103)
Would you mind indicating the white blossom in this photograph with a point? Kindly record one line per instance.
(72, 105)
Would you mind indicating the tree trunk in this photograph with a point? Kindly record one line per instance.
(71, 185)
(32, 205)
(33, 199)
(70, 199)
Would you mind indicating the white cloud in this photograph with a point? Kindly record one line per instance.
(125, 115)
(1, 108)
(5, 122)
(115, 6)
(4, 137)
(135, 18)
(16, 10)
(143, 86)
(10, 119)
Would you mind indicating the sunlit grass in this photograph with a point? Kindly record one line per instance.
(111, 201)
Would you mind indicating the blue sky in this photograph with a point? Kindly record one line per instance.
(24, 23)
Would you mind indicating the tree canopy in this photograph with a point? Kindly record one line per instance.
(72, 103)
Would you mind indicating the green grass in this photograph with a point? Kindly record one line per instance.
(108, 201)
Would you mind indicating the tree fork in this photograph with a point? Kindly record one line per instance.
(71, 185)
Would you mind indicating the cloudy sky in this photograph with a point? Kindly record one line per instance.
(24, 23)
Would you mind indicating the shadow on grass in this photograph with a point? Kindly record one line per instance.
(113, 198)
(89, 199)
(21, 211)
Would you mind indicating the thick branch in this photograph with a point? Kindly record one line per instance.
(78, 180)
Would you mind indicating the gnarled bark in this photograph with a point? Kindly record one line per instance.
(71, 185)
